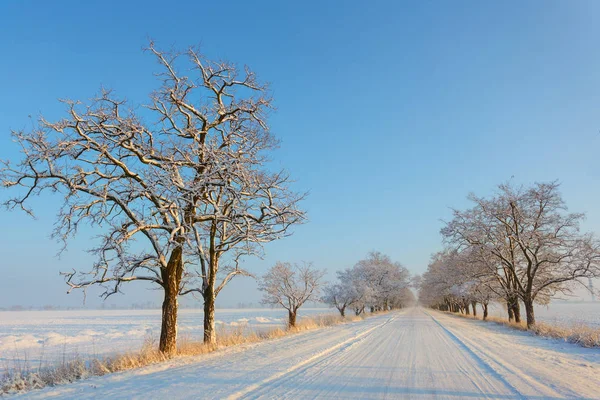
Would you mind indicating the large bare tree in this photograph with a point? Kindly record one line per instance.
(185, 176)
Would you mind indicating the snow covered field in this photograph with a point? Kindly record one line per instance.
(34, 337)
(416, 353)
(562, 313)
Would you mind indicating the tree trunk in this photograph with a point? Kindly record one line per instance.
(168, 330)
(467, 308)
(517, 311)
(529, 313)
(292, 318)
(342, 311)
(474, 304)
(210, 335)
(171, 277)
(485, 311)
(514, 309)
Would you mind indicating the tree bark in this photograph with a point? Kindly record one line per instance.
(514, 309)
(342, 311)
(292, 318)
(485, 311)
(517, 310)
(529, 313)
(467, 312)
(509, 307)
(474, 304)
(210, 335)
(171, 277)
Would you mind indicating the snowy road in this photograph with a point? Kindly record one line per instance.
(416, 354)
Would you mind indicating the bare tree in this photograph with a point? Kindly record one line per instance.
(290, 286)
(339, 296)
(187, 181)
(374, 282)
(477, 234)
(537, 244)
(386, 279)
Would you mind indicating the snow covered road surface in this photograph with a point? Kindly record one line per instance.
(416, 353)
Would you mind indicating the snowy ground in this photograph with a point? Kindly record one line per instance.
(564, 313)
(31, 338)
(417, 354)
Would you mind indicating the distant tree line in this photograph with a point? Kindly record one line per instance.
(375, 283)
(520, 246)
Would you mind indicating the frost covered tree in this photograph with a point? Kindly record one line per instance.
(404, 298)
(375, 282)
(455, 281)
(384, 277)
(536, 244)
(436, 284)
(339, 296)
(177, 188)
(290, 286)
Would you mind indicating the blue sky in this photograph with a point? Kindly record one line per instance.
(389, 113)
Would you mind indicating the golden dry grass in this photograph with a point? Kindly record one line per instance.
(21, 378)
(581, 334)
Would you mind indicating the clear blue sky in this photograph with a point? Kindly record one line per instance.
(389, 112)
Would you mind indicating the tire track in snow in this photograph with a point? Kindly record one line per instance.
(487, 367)
(509, 369)
(343, 345)
(318, 364)
(500, 370)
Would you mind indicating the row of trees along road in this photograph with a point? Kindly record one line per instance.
(184, 176)
(520, 245)
(376, 282)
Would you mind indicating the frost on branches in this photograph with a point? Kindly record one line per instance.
(376, 283)
(290, 286)
(519, 246)
(187, 181)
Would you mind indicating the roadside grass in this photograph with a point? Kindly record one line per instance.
(580, 334)
(21, 376)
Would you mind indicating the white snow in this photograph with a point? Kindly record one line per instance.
(412, 354)
(31, 338)
(558, 313)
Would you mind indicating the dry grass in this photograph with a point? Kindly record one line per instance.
(522, 326)
(21, 377)
(581, 334)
